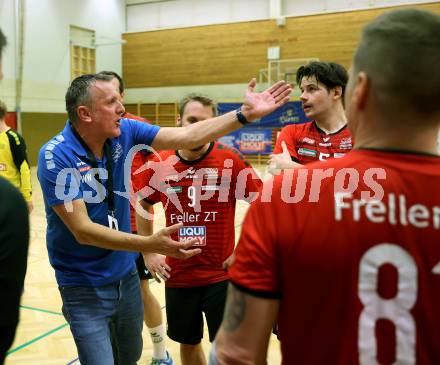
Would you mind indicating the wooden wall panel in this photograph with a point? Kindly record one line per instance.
(233, 53)
(39, 128)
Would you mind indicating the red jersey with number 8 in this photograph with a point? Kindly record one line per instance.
(354, 259)
(202, 195)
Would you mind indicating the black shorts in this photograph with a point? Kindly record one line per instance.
(143, 272)
(184, 311)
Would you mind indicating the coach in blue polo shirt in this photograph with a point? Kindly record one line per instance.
(81, 172)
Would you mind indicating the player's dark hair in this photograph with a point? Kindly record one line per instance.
(3, 110)
(330, 74)
(116, 76)
(78, 93)
(202, 99)
(400, 53)
(3, 43)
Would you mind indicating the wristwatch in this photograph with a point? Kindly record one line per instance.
(241, 118)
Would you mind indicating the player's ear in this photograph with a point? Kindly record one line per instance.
(178, 121)
(360, 91)
(337, 92)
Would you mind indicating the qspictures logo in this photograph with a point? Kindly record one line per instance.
(296, 185)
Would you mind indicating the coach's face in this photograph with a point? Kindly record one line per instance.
(115, 83)
(106, 109)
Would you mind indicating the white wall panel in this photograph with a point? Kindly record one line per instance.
(175, 14)
(185, 13)
(307, 7)
(249, 10)
(211, 11)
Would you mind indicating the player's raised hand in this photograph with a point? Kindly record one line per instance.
(257, 105)
(161, 242)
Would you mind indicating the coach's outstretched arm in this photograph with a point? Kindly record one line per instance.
(255, 106)
(244, 333)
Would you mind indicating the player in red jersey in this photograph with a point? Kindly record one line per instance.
(152, 311)
(322, 87)
(198, 187)
(352, 269)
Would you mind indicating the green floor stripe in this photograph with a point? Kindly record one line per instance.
(36, 339)
(41, 310)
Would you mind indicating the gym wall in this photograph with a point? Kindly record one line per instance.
(39, 128)
(46, 58)
(233, 53)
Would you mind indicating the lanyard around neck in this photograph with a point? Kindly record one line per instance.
(109, 166)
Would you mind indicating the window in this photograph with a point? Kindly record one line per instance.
(82, 51)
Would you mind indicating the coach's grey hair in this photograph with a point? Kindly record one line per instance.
(400, 53)
(78, 93)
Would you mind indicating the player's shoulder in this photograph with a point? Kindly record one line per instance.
(14, 136)
(353, 159)
(12, 133)
(225, 151)
(162, 155)
(296, 128)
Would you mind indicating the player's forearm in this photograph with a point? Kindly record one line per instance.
(245, 330)
(144, 225)
(222, 354)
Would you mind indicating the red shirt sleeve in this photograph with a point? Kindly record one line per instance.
(144, 181)
(139, 178)
(256, 265)
(287, 135)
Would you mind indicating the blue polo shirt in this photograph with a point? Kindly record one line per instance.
(65, 174)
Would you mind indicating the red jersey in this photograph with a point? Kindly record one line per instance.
(357, 267)
(139, 159)
(202, 194)
(308, 143)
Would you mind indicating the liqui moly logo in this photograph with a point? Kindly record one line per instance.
(189, 232)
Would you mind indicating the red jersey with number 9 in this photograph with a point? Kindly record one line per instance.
(354, 259)
(202, 195)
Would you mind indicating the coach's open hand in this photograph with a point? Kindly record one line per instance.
(257, 105)
(162, 243)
